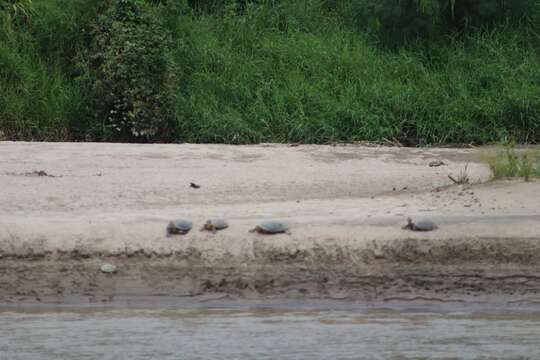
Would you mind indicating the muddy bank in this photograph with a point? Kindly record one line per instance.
(408, 269)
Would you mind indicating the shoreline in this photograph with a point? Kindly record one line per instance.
(425, 269)
(278, 303)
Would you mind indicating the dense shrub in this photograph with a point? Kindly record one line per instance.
(131, 82)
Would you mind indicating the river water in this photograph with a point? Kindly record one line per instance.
(295, 332)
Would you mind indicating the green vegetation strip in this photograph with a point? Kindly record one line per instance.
(514, 162)
(313, 71)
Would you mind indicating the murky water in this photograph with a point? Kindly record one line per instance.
(300, 333)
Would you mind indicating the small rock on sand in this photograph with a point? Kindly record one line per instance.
(108, 268)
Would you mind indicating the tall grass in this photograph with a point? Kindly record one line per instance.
(38, 99)
(511, 162)
(297, 73)
(285, 71)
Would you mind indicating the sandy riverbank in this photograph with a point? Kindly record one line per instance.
(109, 203)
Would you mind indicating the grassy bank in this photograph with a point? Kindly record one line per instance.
(510, 162)
(281, 72)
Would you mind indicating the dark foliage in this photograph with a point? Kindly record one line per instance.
(398, 21)
(131, 74)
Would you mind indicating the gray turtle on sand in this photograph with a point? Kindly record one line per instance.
(179, 227)
(215, 224)
(422, 225)
(271, 227)
(437, 163)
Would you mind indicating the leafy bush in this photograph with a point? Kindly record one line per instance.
(131, 82)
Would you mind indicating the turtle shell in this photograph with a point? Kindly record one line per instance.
(215, 224)
(179, 227)
(272, 227)
(424, 225)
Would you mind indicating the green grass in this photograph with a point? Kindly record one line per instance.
(38, 100)
(332, 83)
(293, 72)
(512, 162)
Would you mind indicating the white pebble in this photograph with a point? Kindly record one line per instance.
(108, 268)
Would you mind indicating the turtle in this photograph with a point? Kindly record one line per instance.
(215, 224)
(422, 225)
(179, 227)
(108, 268)
(437, 163)
(271, 227)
